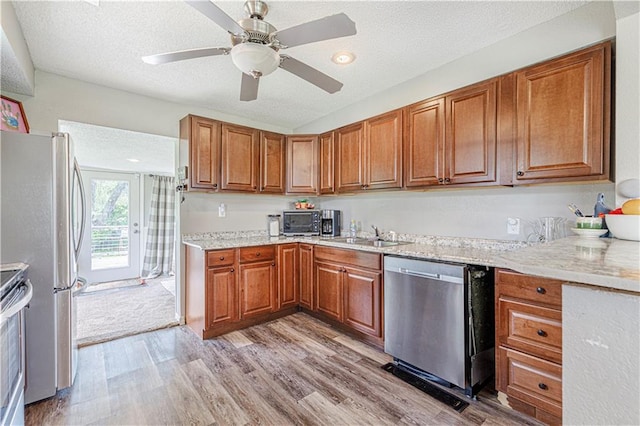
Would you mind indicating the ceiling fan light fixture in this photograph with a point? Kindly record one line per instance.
(255, 59)
(343, 58)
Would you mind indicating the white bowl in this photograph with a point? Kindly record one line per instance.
(624, 226)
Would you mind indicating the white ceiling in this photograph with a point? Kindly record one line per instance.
(98, 147)
(396, 41)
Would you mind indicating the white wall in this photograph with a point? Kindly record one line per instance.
(59, 98)
(627, 124)
(600, 362)
(476, 213)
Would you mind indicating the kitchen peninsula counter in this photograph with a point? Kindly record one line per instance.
(603, 262)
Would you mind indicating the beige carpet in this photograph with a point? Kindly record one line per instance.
(109, 311)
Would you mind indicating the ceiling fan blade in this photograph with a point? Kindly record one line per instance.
(181, 55)
(249, 88)
(310, 74)
(333, 26)
(217, 15)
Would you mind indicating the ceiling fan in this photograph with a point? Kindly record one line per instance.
(255, 45)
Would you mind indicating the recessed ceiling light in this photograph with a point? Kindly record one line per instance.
(133, 160)
(343, 58)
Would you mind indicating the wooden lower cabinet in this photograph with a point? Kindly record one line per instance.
(288, 275)
(329, 290)
(221, 296)
(363, 300)
(229, 289)
(257, 288)
(529, 344)
(348, 290)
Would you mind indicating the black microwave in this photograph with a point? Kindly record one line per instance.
(301, 222)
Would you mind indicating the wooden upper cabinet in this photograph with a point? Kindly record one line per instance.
(203, 135)
(470, 140)
(383, 151)
(350, 158)
(239, 153)
(369, 154)
(424, 143)
(327, 161)
(302, 164)
(563, 117)
(272, 163)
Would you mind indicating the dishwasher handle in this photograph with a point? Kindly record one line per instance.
(431, 276)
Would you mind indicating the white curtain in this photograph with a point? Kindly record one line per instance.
(158, 256)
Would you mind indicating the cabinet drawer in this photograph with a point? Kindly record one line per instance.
(221, 257)
(534, 329)
(532, 380)
(534, 289)
(349, 257)
(253, 254)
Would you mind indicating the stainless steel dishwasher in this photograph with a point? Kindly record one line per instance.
(439, 320)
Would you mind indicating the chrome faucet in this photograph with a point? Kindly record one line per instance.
(377, 232)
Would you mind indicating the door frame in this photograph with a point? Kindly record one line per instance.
(84, 261)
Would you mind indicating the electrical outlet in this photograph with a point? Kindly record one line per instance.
(222, 210)
(513, 225)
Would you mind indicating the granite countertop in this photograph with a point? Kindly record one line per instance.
(603, 262)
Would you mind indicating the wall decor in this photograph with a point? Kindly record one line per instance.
(12, 116)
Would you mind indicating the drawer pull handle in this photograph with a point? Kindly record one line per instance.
(543, 386)
(232, 270)
(541, 290)
(221, 257)
(273, 264)
(542, 333)
(258, 254)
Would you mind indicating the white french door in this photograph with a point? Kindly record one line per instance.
(111, 243)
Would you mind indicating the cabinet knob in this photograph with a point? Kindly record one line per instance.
(447, 180)
(273, 264)
(541, 290)
(221, 257)
(258, 254)
(520, 173)
(440, 180)
(543, 386)
(215, 185)
(232, 270)
(542, 333)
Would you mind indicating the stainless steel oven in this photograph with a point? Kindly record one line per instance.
(16, 293)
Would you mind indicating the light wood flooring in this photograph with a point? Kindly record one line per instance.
(295, 370)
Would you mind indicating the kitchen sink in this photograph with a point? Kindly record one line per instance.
(370, 243)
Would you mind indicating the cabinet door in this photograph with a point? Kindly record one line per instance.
(424, 143)
(383, 151)
(288, 275)
(221, 296)
(470, 142)
(327, 160)
(257, 288)
(349, 158)
(328, 298)
(306, 276)
(204, 146)
(362, 301)
(239, 158)
(302, 165)
(563, 116)
(272, 163)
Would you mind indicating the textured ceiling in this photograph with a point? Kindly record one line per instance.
(98, 147)
(396, 41)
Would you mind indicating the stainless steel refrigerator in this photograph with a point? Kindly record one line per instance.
(42, 222)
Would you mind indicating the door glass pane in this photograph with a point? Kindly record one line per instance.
(109, 224)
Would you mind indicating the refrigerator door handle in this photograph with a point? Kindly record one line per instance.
(78, 176)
